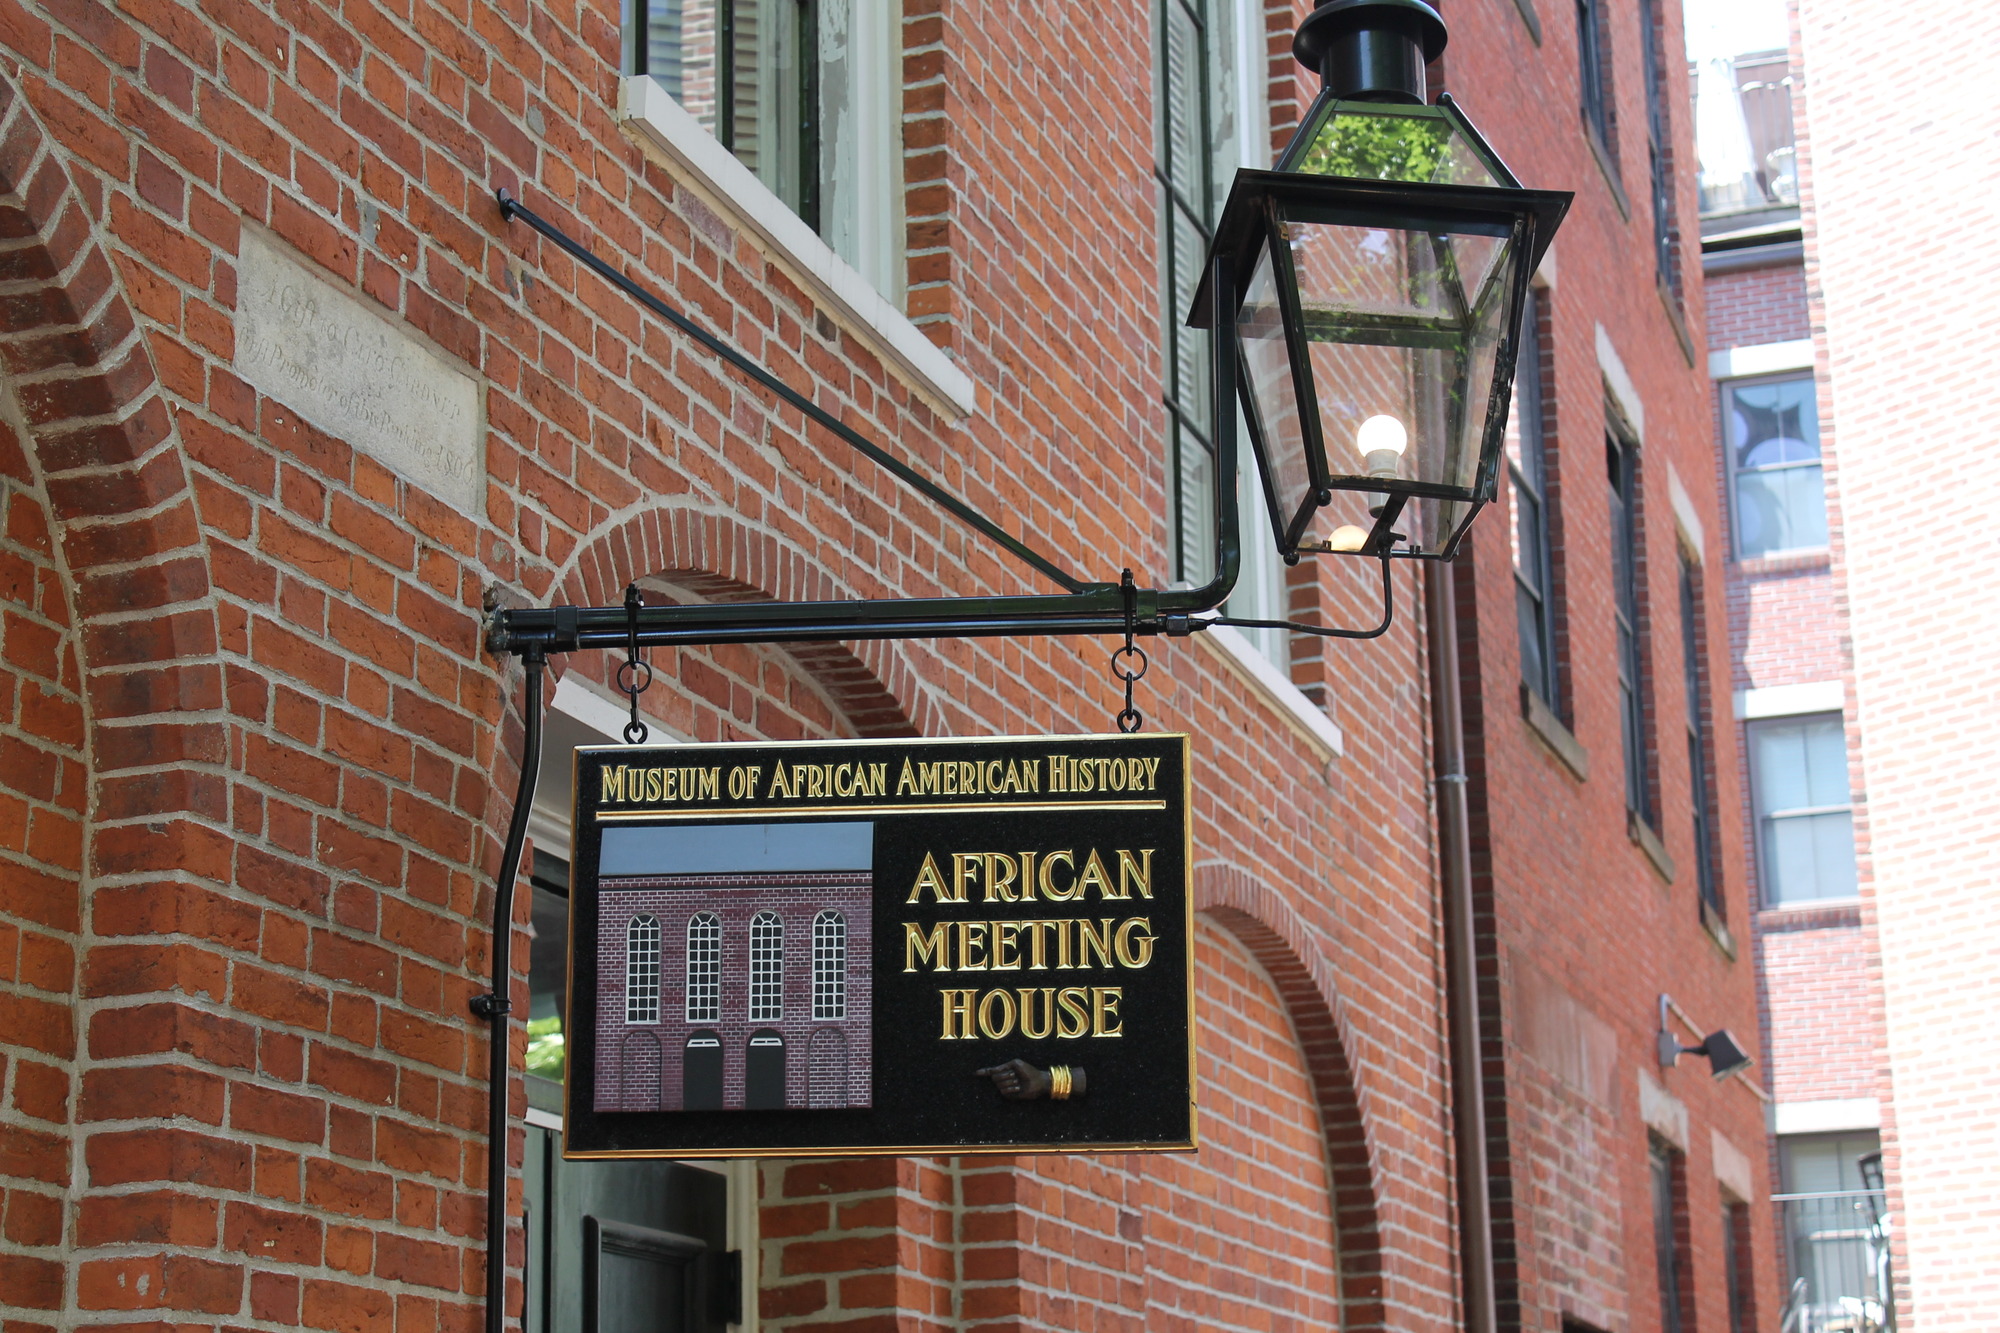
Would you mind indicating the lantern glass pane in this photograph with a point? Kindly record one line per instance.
(1404, 323)
(1260, 326)
(1373, 141)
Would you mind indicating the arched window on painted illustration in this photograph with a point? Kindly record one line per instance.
(767, 968)
(642, 970)
(704, 968)
(829, 966)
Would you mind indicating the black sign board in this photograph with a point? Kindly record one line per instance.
(840, 947)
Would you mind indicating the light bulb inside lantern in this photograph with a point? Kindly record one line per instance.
(1382, 440)
(1347, 537)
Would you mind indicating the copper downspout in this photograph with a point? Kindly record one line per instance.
(1468, 1118)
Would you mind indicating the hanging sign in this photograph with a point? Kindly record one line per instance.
(933, 946)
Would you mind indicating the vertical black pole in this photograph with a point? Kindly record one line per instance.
(494, 1007)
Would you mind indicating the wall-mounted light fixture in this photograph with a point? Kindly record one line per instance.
(1725, 1055)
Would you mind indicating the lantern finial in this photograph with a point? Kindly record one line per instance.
(1371, 50)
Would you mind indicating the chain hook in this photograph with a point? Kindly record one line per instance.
(1129, 663)
(635, 675)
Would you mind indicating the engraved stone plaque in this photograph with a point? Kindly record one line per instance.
(353, 373)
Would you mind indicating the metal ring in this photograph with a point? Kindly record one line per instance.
(1129, 720)
(635, 666)
(635, 732)
(1129, 650)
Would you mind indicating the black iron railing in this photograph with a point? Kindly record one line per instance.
(1837, 1249)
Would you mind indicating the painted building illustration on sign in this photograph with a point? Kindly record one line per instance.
(735, 967)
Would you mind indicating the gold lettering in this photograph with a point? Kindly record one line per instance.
(1135, 775)
(1135, 952)
(1000, 888)
(779, 786)
(1093, 942)
(843, 780)
(1028, 1013)
(1135, 873)
(906, 781)
(921, 948)
(878, 778)
(929, 878)
(711, 783)
(1038, 941)
(1104, 1021)
(987, 1026)
(1006, 936)
(670, 783)
(1071, 1000)
(1047, 880)
(971, 935)
(1062, 943)
(958, 1005)
(1031, 776)
(612, 780)
(1027, 877)
(1152, 774)
(964, 866)
(1095, 873)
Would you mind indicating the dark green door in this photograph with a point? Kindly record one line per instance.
(625, 1247)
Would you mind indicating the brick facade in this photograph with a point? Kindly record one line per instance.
(255, 767)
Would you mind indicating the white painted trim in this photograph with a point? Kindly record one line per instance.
(1820, 696)
(1619, 382)
(1545, 272)
(1274, 690)
(1661, 1111)
(1831, 1116)
(1760, 359)
(742, 1234)
(1732, 1167)
(656, 120)
(1685, 518)
(541, 1119)
(578, 700)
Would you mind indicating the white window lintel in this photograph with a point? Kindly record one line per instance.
(1820, 696)
(1735, 363)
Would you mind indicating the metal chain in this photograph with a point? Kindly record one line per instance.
(635, 675)
(1129, 663)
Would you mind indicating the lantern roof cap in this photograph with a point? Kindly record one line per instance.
(1332, 19)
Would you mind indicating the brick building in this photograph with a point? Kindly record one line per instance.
(290, 406)
(1855, 672)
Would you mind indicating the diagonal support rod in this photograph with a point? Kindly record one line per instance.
(511, 208)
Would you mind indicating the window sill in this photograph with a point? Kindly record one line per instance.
(1271, 688)
(657, 121)
(1718, 930)
(1676, 317)
(1610, 170)
(1826, 914)
(1804, 560)
(1529, 17)
(1550, 731)
(1641, 833)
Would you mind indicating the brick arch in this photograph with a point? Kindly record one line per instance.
(1264, 923)
(721, 559)
(113, 745)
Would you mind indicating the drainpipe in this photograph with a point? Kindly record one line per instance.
(1475, 1210)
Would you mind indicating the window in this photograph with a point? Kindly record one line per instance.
(807, 94)
(704, 969)
(548, 965)
(1534, 557)
(1805, 816)
(1213, 117)
(829, 965)
(642, 970)
(1836, 1229)
(1669, 1244)
(767, 968)
(1772, 433)
(1595, 88)
(1184, 168)
(1623, 461)
(1659, 149)
(1695, 677)
(1737, 1267)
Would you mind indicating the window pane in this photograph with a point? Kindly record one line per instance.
(767, 968)
(1799, 779)
(1774, 450)
(704, 969)
(1186, 129)
(1778, 756)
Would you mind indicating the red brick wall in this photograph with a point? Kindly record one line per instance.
(1759, 305)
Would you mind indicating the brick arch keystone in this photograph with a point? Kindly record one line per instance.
(723, 559)
(1265, 924)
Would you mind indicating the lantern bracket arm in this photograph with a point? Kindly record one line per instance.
(1319, 631)
(512, 209)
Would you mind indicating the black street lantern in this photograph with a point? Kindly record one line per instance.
(1380, 274)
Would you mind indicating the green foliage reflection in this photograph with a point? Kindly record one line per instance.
(1389, 148)
(545, 1047)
